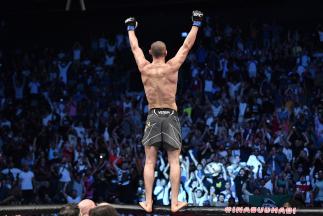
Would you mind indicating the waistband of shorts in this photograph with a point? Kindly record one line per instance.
(157, 110)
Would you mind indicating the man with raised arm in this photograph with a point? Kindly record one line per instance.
(162, 126)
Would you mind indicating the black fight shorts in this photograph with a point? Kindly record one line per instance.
(162, 129)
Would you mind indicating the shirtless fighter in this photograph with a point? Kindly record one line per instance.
(162, 126)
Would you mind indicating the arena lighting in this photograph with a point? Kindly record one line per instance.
(69, 2)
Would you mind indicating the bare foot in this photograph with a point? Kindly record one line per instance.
(179, 206)
(148, 207)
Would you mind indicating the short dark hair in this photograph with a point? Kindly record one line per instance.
(104, 210)
(69, 210)
(158, 49)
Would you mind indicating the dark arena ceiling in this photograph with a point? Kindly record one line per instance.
(115, 6)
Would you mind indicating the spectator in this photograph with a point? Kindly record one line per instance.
(69, 210)
(227, 193)
(317, 197)
(221, 202)
(85, 206)
(64, 174)
(103, 210)
(159, 191)
(63, 71)
(141, 192)
(73, 198)
(26, 179)
(200, 196)
(11, 170)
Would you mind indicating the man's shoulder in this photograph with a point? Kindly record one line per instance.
(27, 174)
(146, 67)
(151, 67)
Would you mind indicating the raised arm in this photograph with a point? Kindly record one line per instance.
(187, 183)
(193, 157)
(166, 194)
(165, 171)
(136, 50)
(224, 172)
(162, 163)
(187, 166)
(189, 41)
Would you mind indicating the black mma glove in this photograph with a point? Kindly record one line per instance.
(197, 17)
(131, 23)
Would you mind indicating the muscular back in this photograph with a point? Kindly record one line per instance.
(160, 78)
(160, 84)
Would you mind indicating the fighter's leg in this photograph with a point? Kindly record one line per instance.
(149, 176)
(175, 173)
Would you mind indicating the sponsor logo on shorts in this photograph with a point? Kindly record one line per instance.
(163, 112)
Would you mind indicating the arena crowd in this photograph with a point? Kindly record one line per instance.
(250, 105)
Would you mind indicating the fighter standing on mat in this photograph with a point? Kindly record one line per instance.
(162, 126)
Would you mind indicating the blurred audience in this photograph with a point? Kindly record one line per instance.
(250, 104)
